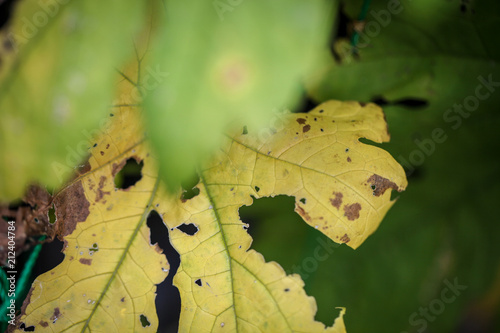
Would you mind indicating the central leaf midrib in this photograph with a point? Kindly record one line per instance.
(219, 222)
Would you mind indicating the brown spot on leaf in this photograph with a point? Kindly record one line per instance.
(352, 211)
(345, 238)
(83, 168)
(56, 315)
(348, 159)
(380, 184)
(100, 193)
(337, 201)
(306, 128)
(43, 323)
(107, 146)
(301, 121)
(102, 153)
(302, 212)
(85, 261)
(117, 167)
(27, 301)
(71, 207)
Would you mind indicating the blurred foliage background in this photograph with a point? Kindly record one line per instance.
(422, 61)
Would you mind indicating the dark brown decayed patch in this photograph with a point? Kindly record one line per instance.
(381, 185)
(43, 323)
(85, 261)
(301, 121)
(302, 213)
(56, 315)
(83, 168)
(337, 201)
(345, 238)
(100, 193)
(306, 128)
(117, 167)
(71, 207)
(352, 211)
(36, 217)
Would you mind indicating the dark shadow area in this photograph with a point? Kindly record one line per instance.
(412, 104)
(306, 104)
(168, 301)
(5, 11)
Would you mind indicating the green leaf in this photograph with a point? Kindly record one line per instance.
(422, 50)
(56, 82)
(225, 62)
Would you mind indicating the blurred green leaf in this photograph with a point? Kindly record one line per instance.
(56, 82)
(227, 61)
(421, 49)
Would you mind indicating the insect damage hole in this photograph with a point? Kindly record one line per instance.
(129, 174)
(168, 300)
(190, 229)
(144, 321)
(26, 329)
(280, 234)
(198, 282)
(189, 189)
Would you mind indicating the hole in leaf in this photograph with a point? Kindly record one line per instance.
(303, 200)
(287, 290)
(129, 174)
(52, 215)
(26, 329)
(50, 256)
(190, 194)
(189, 229)
(245, 130)
(93, 249)
(189, 189)
(257, 189)
(168, 300)
(280, 235)
(198, 282)
(144, 321)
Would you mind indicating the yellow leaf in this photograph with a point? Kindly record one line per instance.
(107, 279)
(315, 157)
